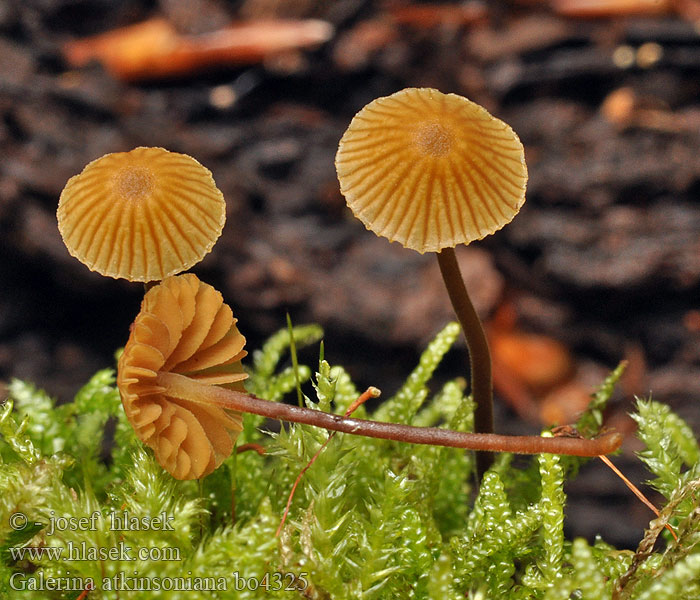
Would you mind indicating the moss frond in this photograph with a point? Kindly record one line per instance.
(552, 510)
(671, 452)
(371, 519)
(591, 420)
(403, 406)
(266, 360)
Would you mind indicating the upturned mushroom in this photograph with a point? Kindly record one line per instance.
(184, 327)
(430, 171)
(141, 215)
(180, 379)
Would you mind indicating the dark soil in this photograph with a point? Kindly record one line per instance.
(604, 256)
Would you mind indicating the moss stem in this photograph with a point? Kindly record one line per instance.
(185, 388)
(479, 354)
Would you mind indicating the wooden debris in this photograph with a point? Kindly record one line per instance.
(624, 109)
(153, 49)
(534, 373)
(586, 9)
(528, 34)
(691, 321)
(427, 16)
(538, 361)
(618, 106)
(564, 403)
(355, 48)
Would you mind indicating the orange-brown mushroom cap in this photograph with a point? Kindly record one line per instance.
(184, 327)
(141, 215)
(431, 170)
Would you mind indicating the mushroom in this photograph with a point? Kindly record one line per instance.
(141, 215)
(183, 327)
(430, 171)
(180, 380)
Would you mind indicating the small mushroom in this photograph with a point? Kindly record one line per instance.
(430, 171)
(184, 327)
(180, 380)
(141, 215)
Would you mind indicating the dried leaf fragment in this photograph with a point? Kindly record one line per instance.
(154, 49)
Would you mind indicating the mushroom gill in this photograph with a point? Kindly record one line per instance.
(184, 327)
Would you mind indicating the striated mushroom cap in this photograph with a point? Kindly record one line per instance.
(141, 215)
(431, 170)
(184, 327)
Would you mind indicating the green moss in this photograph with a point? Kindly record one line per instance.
(371, 519)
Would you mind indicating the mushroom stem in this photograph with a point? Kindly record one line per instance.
(479, 354)
(185, 388)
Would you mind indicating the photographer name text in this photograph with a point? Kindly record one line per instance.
(118, 521)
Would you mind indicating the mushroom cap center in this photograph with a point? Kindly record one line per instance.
(134, 183)
(433, 138)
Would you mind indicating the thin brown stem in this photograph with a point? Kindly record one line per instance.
(180, 386)
(479, 354)
(637, 492)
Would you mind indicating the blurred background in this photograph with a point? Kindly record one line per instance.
(601, 265)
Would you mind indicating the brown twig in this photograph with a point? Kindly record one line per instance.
(85, 592)
(255, 447)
